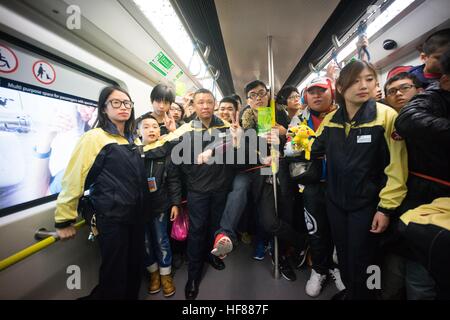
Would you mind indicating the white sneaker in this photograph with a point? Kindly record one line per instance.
(315, 283)
(222, 246)
(336, 276)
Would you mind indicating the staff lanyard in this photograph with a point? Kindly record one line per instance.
(151, 169)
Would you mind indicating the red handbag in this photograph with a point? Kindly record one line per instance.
(180, 226)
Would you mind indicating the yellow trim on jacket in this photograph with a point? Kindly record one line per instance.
(81, 162)
(175, 135)
(393, 193)
(436, 213)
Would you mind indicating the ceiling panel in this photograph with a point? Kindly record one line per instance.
(246, 25)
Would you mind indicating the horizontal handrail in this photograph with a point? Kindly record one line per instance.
(43, 233)
(48, 239)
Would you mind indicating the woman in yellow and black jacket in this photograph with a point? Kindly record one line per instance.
(108, 164)
(366, 173)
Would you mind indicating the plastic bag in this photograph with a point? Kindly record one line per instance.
(306, 172)
(180, 226)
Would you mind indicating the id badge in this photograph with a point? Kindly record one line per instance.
(152, 184)
(364, 139)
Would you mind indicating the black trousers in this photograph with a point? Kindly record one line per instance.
(429, 245)
(420, 192)
(122, 252)
(276, 225)
(319, 234)
(357, 247)
(439, 261)
(205, 212)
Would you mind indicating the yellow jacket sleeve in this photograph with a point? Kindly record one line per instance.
(170, 137)
(321, 139)
(392, 195)
(436, 213)
(73, 182)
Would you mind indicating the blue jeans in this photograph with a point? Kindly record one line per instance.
(235, 205)
(419, 284)
(157, 245)
(263, 198)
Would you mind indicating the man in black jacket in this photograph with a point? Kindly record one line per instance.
(207, 183)
(425, 125)
(254, 179)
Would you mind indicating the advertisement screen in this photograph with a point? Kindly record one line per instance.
(44, 109)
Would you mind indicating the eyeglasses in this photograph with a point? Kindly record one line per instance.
(403, 89)
(261, 94)
(175, 109)
(116, 103)
(296, 96)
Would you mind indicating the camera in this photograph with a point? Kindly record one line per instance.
(389, 44)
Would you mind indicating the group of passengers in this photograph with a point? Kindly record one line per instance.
(374, 187)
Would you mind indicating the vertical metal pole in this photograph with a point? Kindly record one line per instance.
(276, 271)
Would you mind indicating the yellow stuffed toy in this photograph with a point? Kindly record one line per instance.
(301, 138)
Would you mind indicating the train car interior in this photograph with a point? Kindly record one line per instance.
(57, 55)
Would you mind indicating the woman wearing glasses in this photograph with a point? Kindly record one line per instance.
(177, 113)
(289, 98)
(108, 164)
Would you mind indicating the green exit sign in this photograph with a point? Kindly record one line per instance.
(164, 61)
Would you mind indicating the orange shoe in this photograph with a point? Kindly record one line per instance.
(155, 282)
(167, 285)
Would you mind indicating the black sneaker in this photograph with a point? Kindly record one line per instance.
(341, 295)
(215, 262)
(286, 270)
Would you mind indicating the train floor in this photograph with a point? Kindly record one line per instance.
(243, 279)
